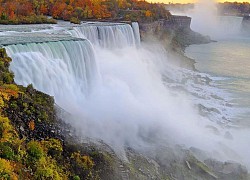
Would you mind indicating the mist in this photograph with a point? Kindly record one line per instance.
(132, 107)
(206, 19)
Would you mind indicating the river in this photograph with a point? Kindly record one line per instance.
(228, 62)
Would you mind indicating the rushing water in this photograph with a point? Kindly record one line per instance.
(41, 63)
(124, 92)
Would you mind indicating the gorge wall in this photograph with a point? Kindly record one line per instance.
(174, 22)
(175, 34)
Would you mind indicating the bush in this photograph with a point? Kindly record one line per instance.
(7, 77)
(11, 87)
(48, 169)
(76, 178)
(84, 162)
(75, 20)
(1, 105)
(7, 170)
(35, 151)
(6, 151)
(53, 146)
(7, 133)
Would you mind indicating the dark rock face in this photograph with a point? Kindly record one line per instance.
(175, 34)
(178, 22)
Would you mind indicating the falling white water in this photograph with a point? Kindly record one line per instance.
(132, 104)
(108, 36)
(58, 68)
(136, 30)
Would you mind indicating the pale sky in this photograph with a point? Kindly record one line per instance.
(190, 1)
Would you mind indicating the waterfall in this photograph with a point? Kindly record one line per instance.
(136, 30)
(108, 36)
(61, 69)
(205, 20)
(141, 101)
(230, 25)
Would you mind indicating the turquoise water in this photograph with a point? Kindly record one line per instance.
(228, 61)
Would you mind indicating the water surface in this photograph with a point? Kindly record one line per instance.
(228, 60)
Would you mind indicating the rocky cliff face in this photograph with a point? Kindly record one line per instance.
(175, 34)
(174, 23)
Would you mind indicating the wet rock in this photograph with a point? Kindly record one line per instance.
(213, 129)
(228, 170)
(201, 155)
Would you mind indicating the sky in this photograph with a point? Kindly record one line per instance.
(190, 1)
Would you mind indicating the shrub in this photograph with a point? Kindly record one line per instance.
(7, 133)
(76, 178)
(6, 151)
(75, 20)
(53, 146)
(7, 170)
(48, 169)
(85, 162)
(1, 102)
(35, 151)
(11, 86)
(7, 77)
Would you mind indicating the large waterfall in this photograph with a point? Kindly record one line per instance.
(60, 68)
(125, 94)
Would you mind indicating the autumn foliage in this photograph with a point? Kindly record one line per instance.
(28, 11)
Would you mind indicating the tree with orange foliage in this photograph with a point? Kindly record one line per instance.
(148, 13)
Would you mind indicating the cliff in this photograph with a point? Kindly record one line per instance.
(175, 35)
(173, 22)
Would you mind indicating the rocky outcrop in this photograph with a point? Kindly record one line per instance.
(173, 22)
(175, 34)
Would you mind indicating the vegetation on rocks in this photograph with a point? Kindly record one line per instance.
(33, 19)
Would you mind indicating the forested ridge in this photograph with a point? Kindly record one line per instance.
(30, 11)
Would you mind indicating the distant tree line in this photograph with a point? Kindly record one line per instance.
(226, 8)
(234, 8)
